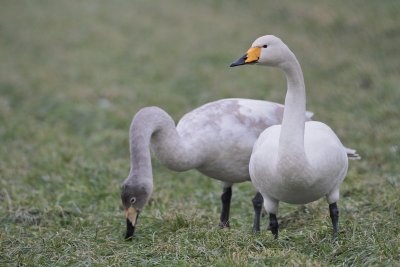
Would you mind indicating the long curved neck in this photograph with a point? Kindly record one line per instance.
(153, 127)
(139, 147)
(291, 141)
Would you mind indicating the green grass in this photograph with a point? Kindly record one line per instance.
(73, 74)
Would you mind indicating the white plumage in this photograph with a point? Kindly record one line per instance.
(297, 162)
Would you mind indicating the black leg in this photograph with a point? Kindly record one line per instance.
(257, 205)
(334, 213)
(273, 225)
(226, 205)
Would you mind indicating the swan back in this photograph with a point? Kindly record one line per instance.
(224, 132)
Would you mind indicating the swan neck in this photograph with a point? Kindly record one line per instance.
(291, 141)
(139, 148)
(154, 128)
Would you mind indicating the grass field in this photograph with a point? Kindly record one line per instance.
(73, 74)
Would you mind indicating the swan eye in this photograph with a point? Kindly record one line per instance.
(133, 200)
(265, 46)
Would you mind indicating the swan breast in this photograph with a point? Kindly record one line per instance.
(325, 169)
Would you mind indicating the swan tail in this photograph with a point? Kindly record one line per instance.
(352, 154)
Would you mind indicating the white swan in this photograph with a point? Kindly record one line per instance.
(216, 139)
(297, 162)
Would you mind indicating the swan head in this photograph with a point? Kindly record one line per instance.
(134, 195)
(266, 50)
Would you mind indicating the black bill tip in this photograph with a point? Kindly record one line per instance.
(130, 230)
(239, 62)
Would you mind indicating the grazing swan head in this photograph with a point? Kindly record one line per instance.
(266, 50)
(134, 195)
